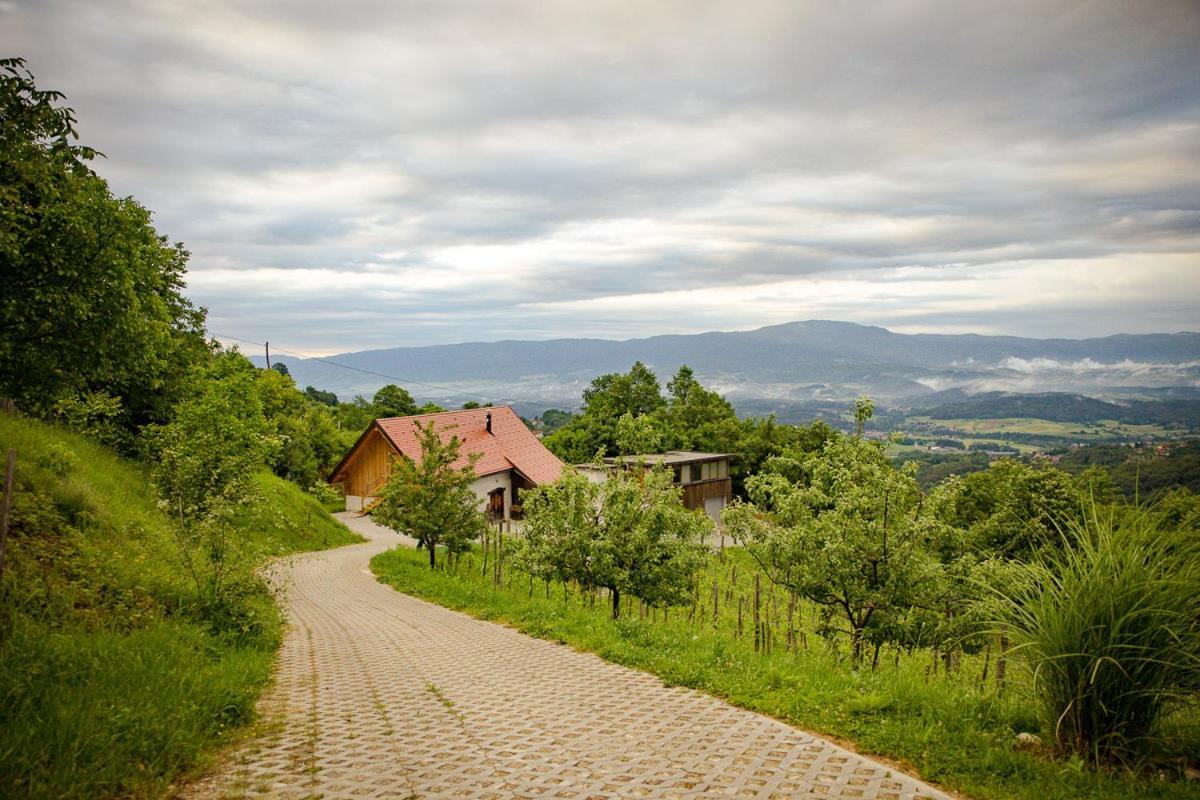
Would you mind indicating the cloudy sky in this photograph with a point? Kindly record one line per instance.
(368, 174)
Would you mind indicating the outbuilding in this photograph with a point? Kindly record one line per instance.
(703, 477)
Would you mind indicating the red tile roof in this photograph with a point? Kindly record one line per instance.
(509, 445)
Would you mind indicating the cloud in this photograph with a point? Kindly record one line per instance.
(395, 173)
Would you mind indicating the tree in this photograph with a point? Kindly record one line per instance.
(431, 499)
(321, 396)
(697, 418)
(91, 300)
(851, 536)
(630, 535)
(282, 369)
(205, 460)
(393, 401)
(864, 409)
(605, 401)
(637, 435)
(1013, 508)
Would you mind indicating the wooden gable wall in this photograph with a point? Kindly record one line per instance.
(369, 465)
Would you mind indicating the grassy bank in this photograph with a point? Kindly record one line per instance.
(114, 679)
(952, 728)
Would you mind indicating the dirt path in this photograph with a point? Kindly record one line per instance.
(382, 695)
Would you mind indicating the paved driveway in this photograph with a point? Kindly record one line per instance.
(382, 695)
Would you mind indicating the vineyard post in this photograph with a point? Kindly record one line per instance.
(9, 469)
(716, 602)
(758, 632)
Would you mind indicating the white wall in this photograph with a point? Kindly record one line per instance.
(713, 506)
(592, 473)
(489, 483)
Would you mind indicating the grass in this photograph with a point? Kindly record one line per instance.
(112, 681)
(945, 727)
(1112, 623)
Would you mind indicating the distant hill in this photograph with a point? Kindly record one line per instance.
(791, 366)
(1062, 407)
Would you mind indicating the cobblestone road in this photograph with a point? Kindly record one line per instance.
(380, 695)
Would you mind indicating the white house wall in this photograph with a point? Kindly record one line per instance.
(490, 483)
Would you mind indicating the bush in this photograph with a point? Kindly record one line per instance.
(1110, 625)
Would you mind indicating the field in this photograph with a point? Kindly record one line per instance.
(114, 679)
(922, 434)
(952, 727)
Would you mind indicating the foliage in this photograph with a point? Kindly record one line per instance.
(431, 499)
(851, 536)
(114, 675)
(204, 458)
(1141, 472)
(1013, 508)
(864, 409)
(306, 433)
(627, 414)
(282, 369)
(1110, 625)
(321, 396)
(553, 418)
(946, 725)
(91, 300)
(637, 435)
(629, 535)
(393, 401)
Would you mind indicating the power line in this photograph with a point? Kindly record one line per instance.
(444, 389)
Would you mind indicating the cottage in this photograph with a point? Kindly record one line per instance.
(511, 459)
(704, 477)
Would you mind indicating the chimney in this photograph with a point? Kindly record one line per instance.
(489, 422)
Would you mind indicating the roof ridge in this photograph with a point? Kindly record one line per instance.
(442, 413)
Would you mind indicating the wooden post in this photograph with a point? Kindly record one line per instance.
(9, 471)
(758, 632)
(268, 346)
(791, 628)
(716, 602)
(496, 555)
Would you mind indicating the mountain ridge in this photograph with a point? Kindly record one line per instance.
(808, 360)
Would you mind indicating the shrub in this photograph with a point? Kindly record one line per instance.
(1110, 626)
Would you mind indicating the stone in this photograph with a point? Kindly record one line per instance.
(1028, 741)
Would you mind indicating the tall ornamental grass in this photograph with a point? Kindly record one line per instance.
(1110, 626)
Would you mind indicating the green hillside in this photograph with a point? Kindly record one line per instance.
(115, 676)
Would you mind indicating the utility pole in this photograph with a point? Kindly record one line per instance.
(268, 346)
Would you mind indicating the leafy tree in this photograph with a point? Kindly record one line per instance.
(1013, 508)
(553, 419)
(630, 535)
(864, 409)
(696, 418)
(851, 537)
(282, 369)
(321, 396)
(91, 298)
(605, 401)
(205, 459)
(393, 401)
(431, 499)
(637, 435)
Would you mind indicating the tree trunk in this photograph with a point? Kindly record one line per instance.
(616, 603)
(432, 557)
